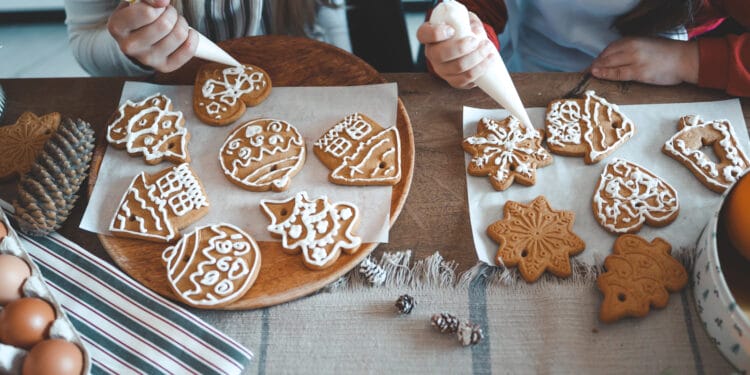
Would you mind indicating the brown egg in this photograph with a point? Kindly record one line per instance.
(54, 356)
(13, 272)
(3, 231)
(25, 322)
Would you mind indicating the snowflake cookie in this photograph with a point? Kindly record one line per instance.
(221, 93)
(318, 228)
(506, 151)
(536, 238)
(22, 142)
(694, 134)
(592, 127)
(212, 266)
(628, 195)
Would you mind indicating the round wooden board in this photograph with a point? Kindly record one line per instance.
(290, 61)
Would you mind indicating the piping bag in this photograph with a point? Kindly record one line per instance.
(496, 81)
(207, 49)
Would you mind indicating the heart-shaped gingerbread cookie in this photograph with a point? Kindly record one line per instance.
(222, 93)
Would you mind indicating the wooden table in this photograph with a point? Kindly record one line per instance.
(435, 217)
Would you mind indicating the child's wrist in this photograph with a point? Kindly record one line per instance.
(690, 62)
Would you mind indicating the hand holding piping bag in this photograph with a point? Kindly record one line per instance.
(152, 33)
(495, 81)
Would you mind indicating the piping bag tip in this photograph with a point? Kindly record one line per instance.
(208, 50)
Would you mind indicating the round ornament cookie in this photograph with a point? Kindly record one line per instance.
(212, 266)
(222, 93)
(262, 155)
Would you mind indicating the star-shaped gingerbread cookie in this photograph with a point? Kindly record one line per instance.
(21, 142)
(506, 151)
(536, 238)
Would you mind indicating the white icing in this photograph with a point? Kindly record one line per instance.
(354, 126)
(223, 93)
(721, 175)
(563, 123)
(282, 139)
(318, 247)
(628, 194)
(357, 173)
(504, 148)
(139, 128)
(220, 271)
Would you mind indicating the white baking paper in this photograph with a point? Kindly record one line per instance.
(568, 183)
(312, 110)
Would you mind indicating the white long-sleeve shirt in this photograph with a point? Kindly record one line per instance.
(98, 53)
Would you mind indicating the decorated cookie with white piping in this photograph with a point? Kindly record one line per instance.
(222, 93)
(155, 207)
(317, 228)
(262, 155)
(359, 151)
(629, 196)
(150, 128)
(506, 151)
(212, 266)
(590, 127)
(687, 147)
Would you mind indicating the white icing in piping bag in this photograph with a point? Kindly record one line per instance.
(496, 81)
(207, 49)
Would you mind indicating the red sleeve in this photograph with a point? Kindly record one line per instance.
(724, 62)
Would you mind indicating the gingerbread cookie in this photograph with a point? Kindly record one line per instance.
(318, 228)
(506, 151)
(263, 155)
(360, 152)
(591, 127)
(155, 207)
(536, 238)
(151, 128)
(21, 142)
(639, 275)
(212, 266)
(628, 195)
(222, 93)
(694, 134)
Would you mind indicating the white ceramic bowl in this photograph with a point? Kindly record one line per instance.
(725, 321)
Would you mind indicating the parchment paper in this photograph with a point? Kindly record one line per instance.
(312, 110)
(568, 183)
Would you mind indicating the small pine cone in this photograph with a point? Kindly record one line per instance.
(469, 333)
(405, 304)
(445, 322)
(47, 193)
(372, 271)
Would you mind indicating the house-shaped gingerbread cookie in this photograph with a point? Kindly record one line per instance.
(360, 152)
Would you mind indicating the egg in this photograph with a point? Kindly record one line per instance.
(13, 272)
(738, 216)
(25, 322)
(3, 231)
(54, 356)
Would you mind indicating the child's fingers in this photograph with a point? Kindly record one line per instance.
(183, 54)
(469, 61)
(428, 33)
(157, 3)
(127, 18)
(477, 27)
(620, 73)
(157, 30)
(467, 78)
(170, 43)
(614, 60)
(451, 50)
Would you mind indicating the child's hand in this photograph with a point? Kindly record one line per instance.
(458, 61)
(153, 34)
(657, 61)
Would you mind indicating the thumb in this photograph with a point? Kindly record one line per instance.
(156, 3)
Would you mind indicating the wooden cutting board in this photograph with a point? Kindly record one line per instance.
(290, 61)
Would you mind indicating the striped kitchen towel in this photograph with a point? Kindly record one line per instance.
(127, 328)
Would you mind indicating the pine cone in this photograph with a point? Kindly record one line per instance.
(47, 193)
(372, 271)
(405, 304)
(469, 333)
(445, 322)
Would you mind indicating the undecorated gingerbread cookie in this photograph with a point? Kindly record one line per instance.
(155, 207)
(536, 238)
(152, 128)
(222, 93)
(212, 266)
(21, 142)
(591, 127)
(359, 151)
(629, 195)
(263, 155)
(639, 275)
(506, 151)
(687, 147)
(318, 228)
